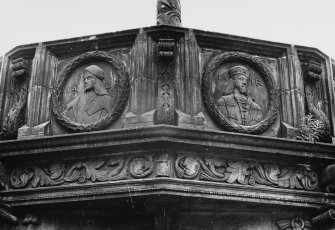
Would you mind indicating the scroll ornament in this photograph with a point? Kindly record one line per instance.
(246, 173)
(82, 172)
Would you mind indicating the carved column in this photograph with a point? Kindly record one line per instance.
(42, 76)
(291, 93)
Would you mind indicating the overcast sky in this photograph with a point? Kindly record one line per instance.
(301, 22)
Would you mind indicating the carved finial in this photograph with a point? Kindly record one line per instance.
(168, 13)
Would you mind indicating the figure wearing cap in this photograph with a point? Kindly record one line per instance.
(238, 107)
(95, 103)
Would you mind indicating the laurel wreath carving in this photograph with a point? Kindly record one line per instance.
(212, 107)
(121, 98)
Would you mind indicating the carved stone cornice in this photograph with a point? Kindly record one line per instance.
(202, 141)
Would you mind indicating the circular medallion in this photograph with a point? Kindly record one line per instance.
(141, 167)
(91, 92)
(240, 93)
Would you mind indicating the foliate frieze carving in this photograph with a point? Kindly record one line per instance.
(168, 12)
(240, 93)
(91, 92)
(97, 170)
(16, 115)
(294, 224)
(246, 173)
(185, 167)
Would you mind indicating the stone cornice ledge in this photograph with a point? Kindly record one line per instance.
(170, 137)
(169, 187)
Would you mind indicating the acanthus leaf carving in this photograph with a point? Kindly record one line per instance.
(246, 173)
(188, 167)
(96, 170)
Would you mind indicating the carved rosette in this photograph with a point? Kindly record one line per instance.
(141, 167)
(16, 115)
(294, 224)
(270, 112)
(118, 84)
(246, 173)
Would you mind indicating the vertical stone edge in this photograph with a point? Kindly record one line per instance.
(188, 83)
(4, 69)
(291, 93)
(143, 82)
(41, 84)
(331, 83)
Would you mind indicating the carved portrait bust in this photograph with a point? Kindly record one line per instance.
(95, 102)
(238, 106)
(240, 93)
(91, 92)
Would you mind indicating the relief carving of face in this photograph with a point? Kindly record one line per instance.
(241, 83)
(89, 81)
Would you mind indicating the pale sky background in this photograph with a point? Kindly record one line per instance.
(301, 22)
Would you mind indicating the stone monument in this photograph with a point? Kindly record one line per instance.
(165, 128)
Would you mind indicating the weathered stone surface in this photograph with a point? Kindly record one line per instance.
(166, 128)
